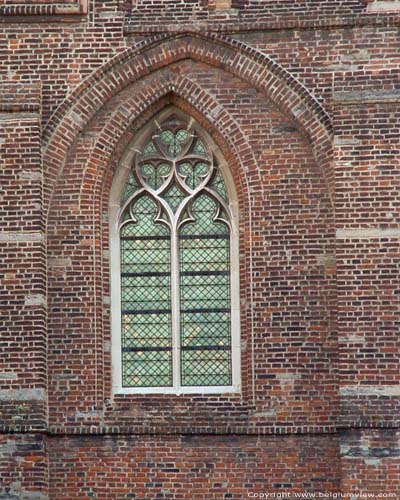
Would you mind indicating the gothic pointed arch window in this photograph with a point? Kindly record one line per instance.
(174, 264)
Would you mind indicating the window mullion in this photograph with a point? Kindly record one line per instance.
(175, 306)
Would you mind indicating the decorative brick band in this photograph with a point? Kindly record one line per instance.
(23, 395)
(21, 10)
(191, 430)
(53, 430)
(367, 96)
(21, 236)
(234, 24)
(367, 233)
(20, 97)
(375, 6)
(370, 390)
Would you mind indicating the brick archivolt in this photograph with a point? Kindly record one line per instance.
(131, 66)
(94, 156)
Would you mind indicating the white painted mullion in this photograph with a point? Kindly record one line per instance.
(175, 306)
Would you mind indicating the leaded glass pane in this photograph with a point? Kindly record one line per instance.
(205, 297)
(199, 147)
(130, 187)
(155, 173)
(149, 149)
(218, 185)
(174, 196)
(193, 172)
(146, 298)
(173, 142)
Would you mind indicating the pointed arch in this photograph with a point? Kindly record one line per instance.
(75, 113)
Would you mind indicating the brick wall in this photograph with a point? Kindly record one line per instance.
(370, 462)
(303, 102)
(190, 466)
(23, 467)
(23, 283)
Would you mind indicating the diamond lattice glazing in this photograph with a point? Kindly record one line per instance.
(205, 297)
(146, 298)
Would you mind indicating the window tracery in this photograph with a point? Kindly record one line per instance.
(176, 231)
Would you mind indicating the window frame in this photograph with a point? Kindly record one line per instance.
(118, 185)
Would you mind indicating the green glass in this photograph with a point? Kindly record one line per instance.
(146, 298)
(193, 172)
(204, 249)
(174, 196)
(149, 149)
(199, 148)
(155, 174)
(130, 188)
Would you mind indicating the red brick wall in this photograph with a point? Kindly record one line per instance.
(371, 462)
(303, 102)
(23, 466)
(23, 265)
(190, 466)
